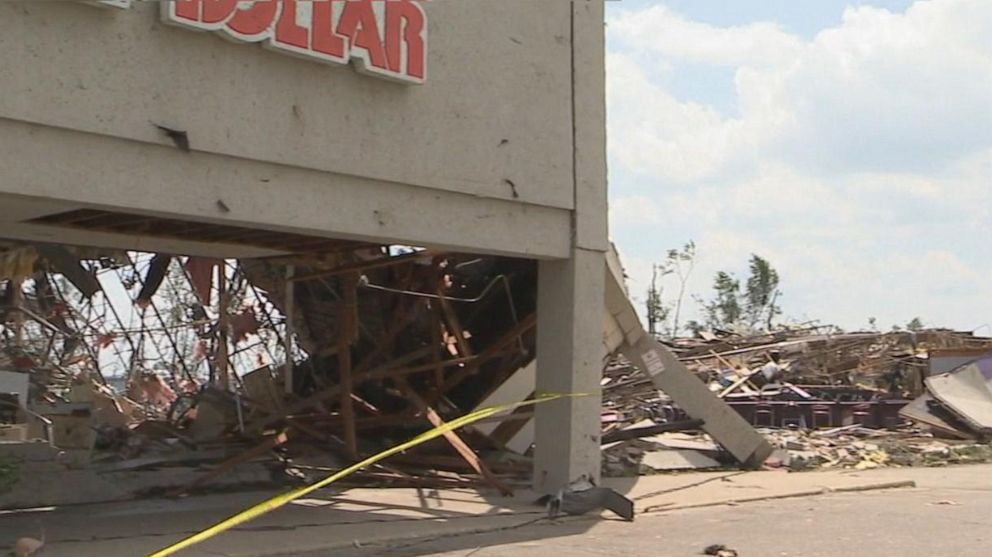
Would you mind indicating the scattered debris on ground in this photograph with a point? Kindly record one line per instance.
(584, 497)
(720, 550)
(824, 400)
(862, 448)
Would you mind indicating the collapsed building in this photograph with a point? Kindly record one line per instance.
(275, 369)
(163, 374)
(489, 141)
(379, 348)
(224, 264)
(313, 254)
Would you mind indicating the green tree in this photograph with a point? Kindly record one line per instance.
(657, 311)
(756, 307)
(681, 262)
(915, 325)
(725, 309)
(761, 293)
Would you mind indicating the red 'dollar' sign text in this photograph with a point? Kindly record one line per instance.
(384, 38)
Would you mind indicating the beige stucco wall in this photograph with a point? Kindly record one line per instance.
(292, 144)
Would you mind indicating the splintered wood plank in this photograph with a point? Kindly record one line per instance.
(347, 328)
(453, 324)
(491, 351)
(453, 439)
(436, 351)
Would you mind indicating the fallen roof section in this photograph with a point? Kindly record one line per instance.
(966, 393)
(673, 377)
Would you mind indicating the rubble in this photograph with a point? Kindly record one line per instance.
(176, 364)
(720, 550)
(838, 400)
(852, 447)
(210, 373)
(964, 395)
(862, 448)
(845, 370)
(583, 496)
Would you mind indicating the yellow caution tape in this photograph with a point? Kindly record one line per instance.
(279, 500)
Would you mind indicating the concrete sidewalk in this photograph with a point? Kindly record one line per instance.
(949, 514)
(356, 517)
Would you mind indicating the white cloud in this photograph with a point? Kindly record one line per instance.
(859, 161)
(890, 246)
(635, 209)
(682, 141)
(659, 30)
(880, 92)
(844, 253)
(888, 91)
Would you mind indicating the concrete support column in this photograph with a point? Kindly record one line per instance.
(570, 356)
(570, 301)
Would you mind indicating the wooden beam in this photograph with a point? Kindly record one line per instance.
(362, 372)
(736, 384)
(384, 372)
(399, 320)
(453, 325)
(491, 351)
(436, 351)
(15, 286)
(347, 329)
(736, 371)
(456, 442)
(453, 463)
(361, 423)
(637, 433)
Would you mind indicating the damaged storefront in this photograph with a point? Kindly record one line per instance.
(246, 242)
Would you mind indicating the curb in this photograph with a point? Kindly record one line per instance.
(808, 493)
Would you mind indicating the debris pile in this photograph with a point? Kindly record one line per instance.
(666, 452)
(850, 372)
(824, 398)
(137, 361)
(862, 448)
(217, 372)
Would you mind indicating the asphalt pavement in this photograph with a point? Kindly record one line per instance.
(950, 514)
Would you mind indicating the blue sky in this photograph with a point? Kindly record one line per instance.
(850, 143)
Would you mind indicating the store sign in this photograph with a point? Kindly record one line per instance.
(384, 38)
